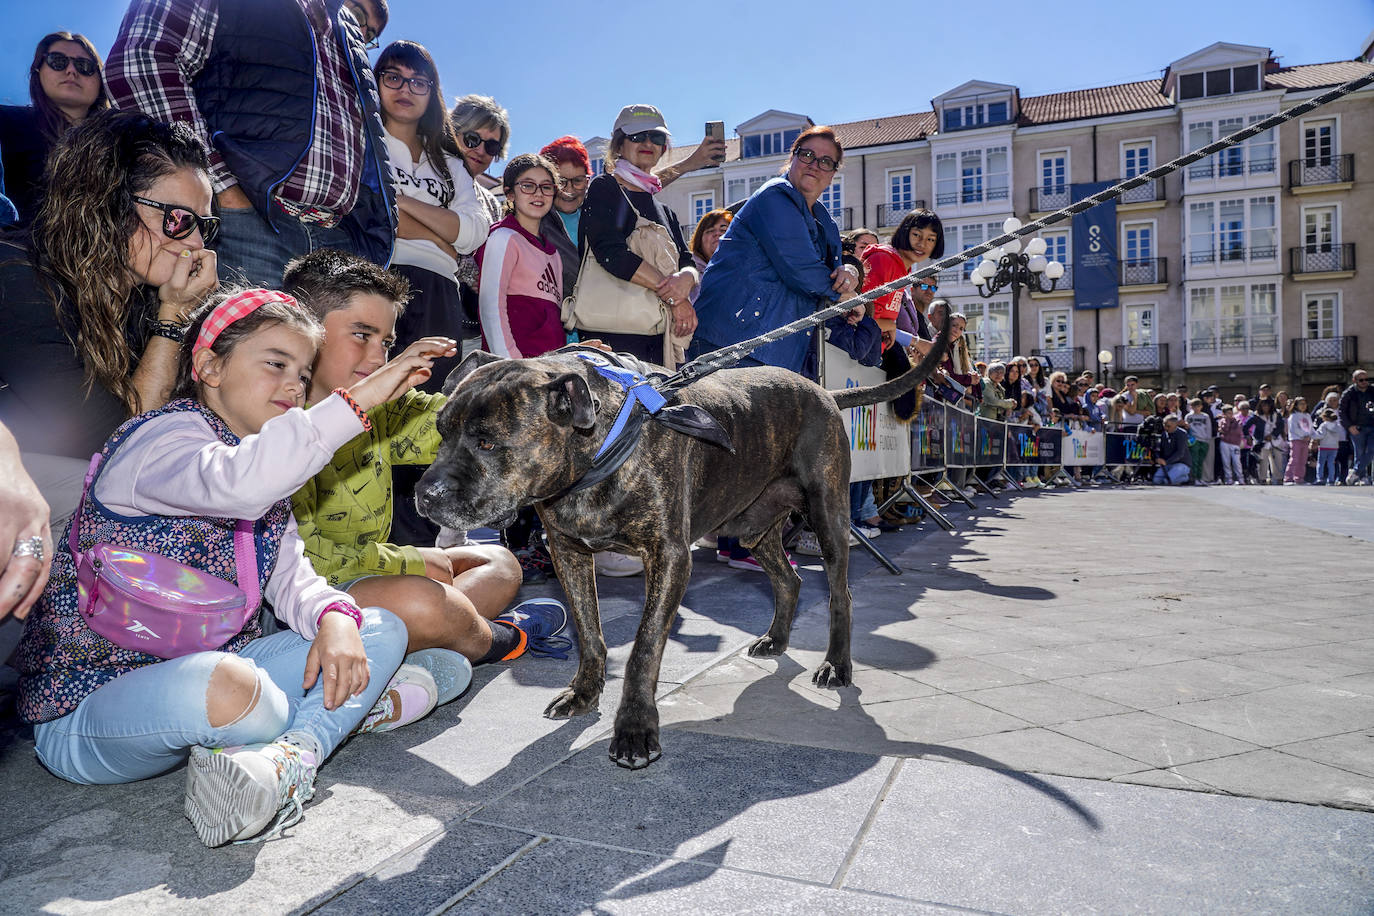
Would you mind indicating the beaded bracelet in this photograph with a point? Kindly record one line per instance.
(362, 414)
(342, 607)
(169, 329)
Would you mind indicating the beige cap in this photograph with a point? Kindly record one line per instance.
(636, 118)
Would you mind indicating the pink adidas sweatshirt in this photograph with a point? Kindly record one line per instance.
(520, 292)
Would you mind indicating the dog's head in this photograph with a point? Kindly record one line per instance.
(512, 430)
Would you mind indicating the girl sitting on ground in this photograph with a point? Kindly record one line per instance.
(258, 714)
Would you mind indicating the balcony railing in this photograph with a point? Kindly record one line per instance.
(1229, 169)
(1318, 352)
(889, 215)
(1066, 281)
(1303, 173)
(1142, 271)
(844, 218)
(1234, 345)
(1150, 191)
(1055, 197)
(1141, 358)
(1228, 253)
(1316, 259)
(1062, 359)
(970, 197)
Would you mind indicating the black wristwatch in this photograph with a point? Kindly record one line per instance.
(168, 329)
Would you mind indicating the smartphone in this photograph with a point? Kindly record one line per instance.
(715, 130)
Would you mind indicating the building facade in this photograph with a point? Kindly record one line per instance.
(1237, 270)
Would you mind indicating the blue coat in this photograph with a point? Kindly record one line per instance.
(773, 266)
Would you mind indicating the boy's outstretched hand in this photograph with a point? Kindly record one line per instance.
(403, 372)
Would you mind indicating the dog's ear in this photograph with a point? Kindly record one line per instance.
(571, 402)
(470, 364)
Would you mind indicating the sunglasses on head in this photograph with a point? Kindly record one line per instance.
(472, 140)
(58, 61)
(656, 137)
(179, 222)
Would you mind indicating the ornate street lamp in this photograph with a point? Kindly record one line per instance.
(1009, 266)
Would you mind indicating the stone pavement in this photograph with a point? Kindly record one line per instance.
(1125, 700)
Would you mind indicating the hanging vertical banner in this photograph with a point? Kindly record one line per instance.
(1094, 251)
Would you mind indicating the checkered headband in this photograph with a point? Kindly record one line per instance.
(237, 306)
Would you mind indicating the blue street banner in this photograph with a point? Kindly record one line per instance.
(928, 436)
(1094, 251)
(1023, 448)
(1051, 442)
(1125, 448)
(990, 442)
(959, 435)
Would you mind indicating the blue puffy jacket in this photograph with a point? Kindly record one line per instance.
(773, 266)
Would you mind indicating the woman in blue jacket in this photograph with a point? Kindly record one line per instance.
(779, 259)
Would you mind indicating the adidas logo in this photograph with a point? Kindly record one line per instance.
(138, 629)
(548, 283)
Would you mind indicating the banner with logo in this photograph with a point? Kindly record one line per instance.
(928, 436)
(1125, 448)
(959, 438)
(879, 445)
(1023, 448)
(1094, 251)
(990, 443)
(1084, 449)
(1050, 440)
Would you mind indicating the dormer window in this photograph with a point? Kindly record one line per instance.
(959, 115)
(771, 143)
(1225, 81)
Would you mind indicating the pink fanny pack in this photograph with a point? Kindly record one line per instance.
(149, 603)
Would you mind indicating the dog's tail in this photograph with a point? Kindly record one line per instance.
(895, 388)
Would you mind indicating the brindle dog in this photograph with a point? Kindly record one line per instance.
(519, 432)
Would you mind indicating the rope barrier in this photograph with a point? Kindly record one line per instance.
(727, 356)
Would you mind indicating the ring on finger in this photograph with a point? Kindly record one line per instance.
(29, 547)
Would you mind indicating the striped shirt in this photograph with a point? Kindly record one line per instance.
(163, 44)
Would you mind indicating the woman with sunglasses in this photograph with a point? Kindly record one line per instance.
(95, 308)
(779, 260)
(483, 128)
(64, 87)
(616, 201)
(440, 216)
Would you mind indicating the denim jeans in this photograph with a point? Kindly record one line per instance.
(251, 251)
(1326, 465)
(1363, 444)
(145, 722)
(861, 502)
(1173, 474)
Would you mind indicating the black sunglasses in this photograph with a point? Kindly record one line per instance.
(58, 61)
(656, 137)
(472, 140)
(179, 222)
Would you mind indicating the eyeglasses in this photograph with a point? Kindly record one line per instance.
(370, 35)
(824, 163)
(58, 61)
(927, 287)
(418, 85)
(656, 137)
(179, 222)
(529, 187)
(472, 140)
(575, 184)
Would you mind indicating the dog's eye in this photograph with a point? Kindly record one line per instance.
(485, 445)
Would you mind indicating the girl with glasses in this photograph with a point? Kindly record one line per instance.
(64, 87)
(95, 307)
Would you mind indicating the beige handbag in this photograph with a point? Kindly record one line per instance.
(601, 302)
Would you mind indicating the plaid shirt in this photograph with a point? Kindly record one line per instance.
(163, 44)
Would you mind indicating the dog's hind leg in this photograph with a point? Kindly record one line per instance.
(829, 510)
(635, 742)
(578, 577)
(786, 589)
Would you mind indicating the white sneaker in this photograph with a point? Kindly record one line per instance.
(235, 793)
(410, 695)
(868, 532)
(1351, 479)
(618, 565)
(706, 543)
(807, 544)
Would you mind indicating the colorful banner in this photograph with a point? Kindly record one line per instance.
(990, 441)
(959, 438)
(1023, 448)
(1095, 277)
(1084, 449)
(1125, 448)
(928, 436)
(879, 445)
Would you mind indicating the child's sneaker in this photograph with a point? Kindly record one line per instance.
(409, 696)
(452, 672)
(807, 544)
(233, 794)
(539, 621)
(722, 556)
(750, 563)
(536, 565)
(618, 565)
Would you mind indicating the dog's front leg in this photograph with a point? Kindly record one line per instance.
(578, 577)
(635, 743)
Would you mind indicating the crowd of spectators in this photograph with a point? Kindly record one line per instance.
(239, 215)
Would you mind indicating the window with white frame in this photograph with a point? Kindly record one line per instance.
(1140, 325)
(757, 182)
(989, 329)
(1318, 142)
(702, 202)
(1057, 248)
(736, 189)
(946, 179)
(1255, 155)
(960, 115)
(832, 198)
(1137, 157)
(1138, 264)
(1232, 230)
(1233, 319)
(901, 197)
(960, 238)
(1054, 180)
(1321, 244)
(769, 143)
(1321, 315)
(1056, 331)
(1223, 81)
(598, 165)
(971, 176)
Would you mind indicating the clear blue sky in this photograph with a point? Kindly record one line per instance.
(569, 67)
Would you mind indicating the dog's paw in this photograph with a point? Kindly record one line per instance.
(766, 647)
(634, 749)
(569, 703)
(832, 675)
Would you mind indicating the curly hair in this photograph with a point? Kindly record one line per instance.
(51, 120)
(567, 150)
(80, 235)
